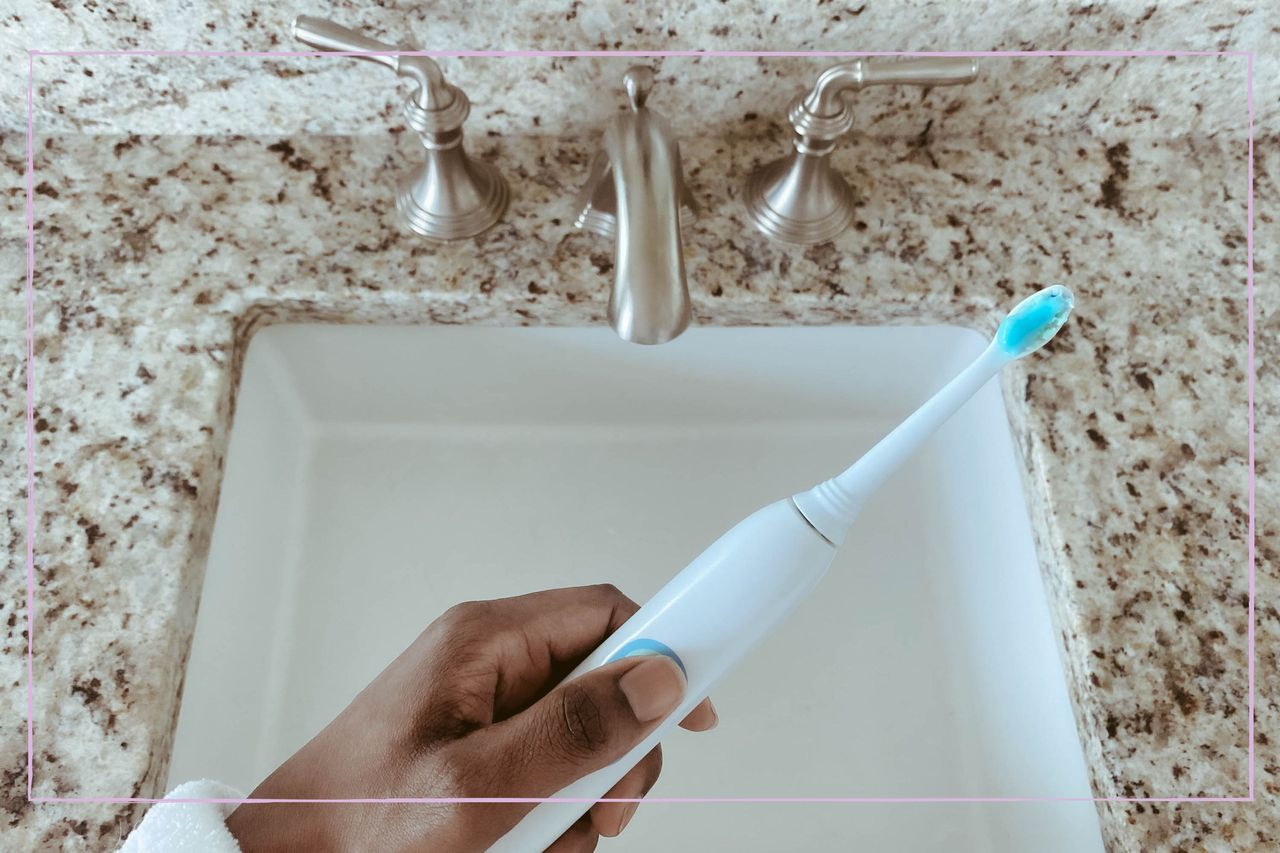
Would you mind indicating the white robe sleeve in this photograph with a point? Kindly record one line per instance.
(187, 827)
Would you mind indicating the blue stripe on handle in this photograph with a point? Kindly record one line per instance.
(645, 646)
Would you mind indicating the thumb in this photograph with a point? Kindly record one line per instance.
(587, 723)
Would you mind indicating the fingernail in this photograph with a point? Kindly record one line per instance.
(653, 687)
(627, 814)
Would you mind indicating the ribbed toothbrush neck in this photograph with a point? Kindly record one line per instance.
(831, 506)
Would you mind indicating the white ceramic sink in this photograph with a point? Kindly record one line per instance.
(378, 475)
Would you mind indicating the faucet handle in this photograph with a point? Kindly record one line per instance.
(824, 98)
(450, 196)
(434, 93)
(800, 199)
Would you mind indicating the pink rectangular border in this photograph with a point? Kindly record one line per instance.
(31, 506)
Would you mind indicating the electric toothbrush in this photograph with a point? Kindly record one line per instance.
(709, 616)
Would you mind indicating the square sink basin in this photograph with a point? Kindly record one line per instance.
(378, 475)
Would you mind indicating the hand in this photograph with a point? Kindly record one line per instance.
(465, 712)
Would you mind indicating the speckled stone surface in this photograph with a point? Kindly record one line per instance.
(158, 257)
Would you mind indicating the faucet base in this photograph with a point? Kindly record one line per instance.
(469, 203)
(799, 200)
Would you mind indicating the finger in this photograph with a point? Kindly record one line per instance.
(579, 838)
(610, 819)
(513, 649)
(576, 729)
(702, 718)
(582, 725)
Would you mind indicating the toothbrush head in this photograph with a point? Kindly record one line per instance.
(1034, 321)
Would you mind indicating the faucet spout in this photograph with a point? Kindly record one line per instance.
(650, 299)
(640, 209)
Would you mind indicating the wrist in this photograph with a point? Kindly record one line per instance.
(279, 827)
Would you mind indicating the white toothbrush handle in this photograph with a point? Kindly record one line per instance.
(707, 618)
(832, 505)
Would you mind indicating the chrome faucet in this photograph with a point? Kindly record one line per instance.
(800, 199)
(634, 194)
(449, 196)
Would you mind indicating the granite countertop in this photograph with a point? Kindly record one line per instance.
(157, 257)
